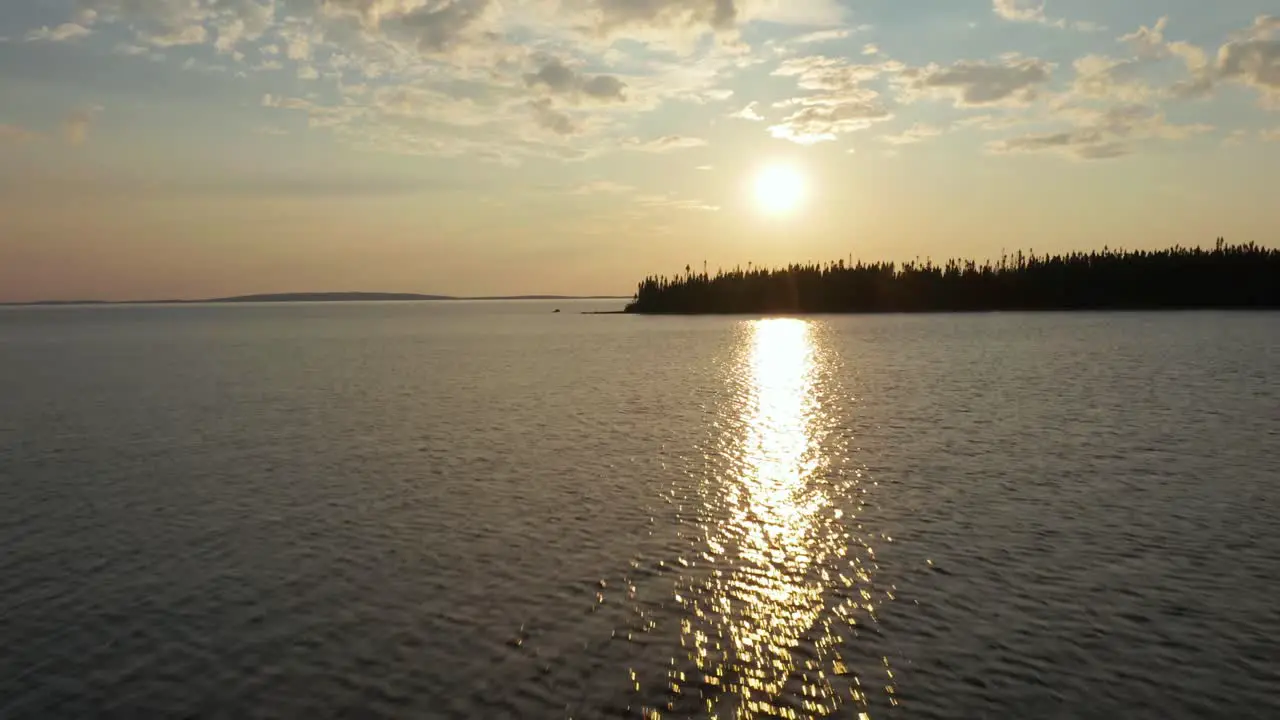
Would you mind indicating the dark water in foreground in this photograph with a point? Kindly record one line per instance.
(485, 510)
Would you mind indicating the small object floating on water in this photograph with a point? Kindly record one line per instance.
(556, 310)
(519, 639)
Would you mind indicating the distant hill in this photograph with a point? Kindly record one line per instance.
(326, 297)
(322, 297)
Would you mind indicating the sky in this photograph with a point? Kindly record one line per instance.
(198, 148)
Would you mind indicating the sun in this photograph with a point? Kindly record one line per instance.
(779, 189)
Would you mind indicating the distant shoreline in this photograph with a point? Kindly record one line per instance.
(793, 312)
(310, 297)
(1178, 278)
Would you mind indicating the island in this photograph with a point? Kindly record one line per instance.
(1227, 277)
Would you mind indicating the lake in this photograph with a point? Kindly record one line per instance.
(484, 510)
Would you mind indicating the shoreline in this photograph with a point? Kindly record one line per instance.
(1228, 277)
(940, 311)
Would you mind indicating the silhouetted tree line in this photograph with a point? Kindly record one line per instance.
(1228, 276)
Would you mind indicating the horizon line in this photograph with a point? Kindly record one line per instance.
(348, 296)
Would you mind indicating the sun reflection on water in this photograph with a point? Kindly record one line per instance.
(771, 511)
(780, 582)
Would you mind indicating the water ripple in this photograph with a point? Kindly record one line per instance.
(480, 511)
(777, 581)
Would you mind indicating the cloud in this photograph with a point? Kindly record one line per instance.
(440, 26)
(821, 36)
(1020, 10)
(839, 104)
(276, 101)
(823, 122)
(368, 12)
(831, 14)
(563, 78)
(1200, 73)
(1013, 81)
(1235, 137)
(914, 134)
(188, 35)
(615, 15)
(75, 128)
(1081, 144)
(818, 72)
(548, 118)
(1102, 77)
(1254, 60)
(665, 201)
(560, 79)
(645, 201)
(547, 78)
(602, 187)
(242, 20)
(1148, 42)
(424, 120)
(1251, 58)
(714, 95)
(62, 33)
(666, 143)
(992, 122)
(1101, 134)
(1264, 26)
(1033, 11)
(129, 49)
(1122, 79)
(297, 41)
(409, 102)
(495, 53)
(171, 23)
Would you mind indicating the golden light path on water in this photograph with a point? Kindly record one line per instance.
(783, 582)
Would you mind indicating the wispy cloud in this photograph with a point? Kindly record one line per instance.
(1033, 11)
(1012, 81)
(914, 134)
(578, 79)
(666, 143)
(674, 203)
(559, 79)
(748, 113)
(62, 33)
(1102, 135)
(602, 187)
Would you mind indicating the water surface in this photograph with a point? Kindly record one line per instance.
(487, 510)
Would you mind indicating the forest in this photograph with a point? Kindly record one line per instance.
(1227, 276)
